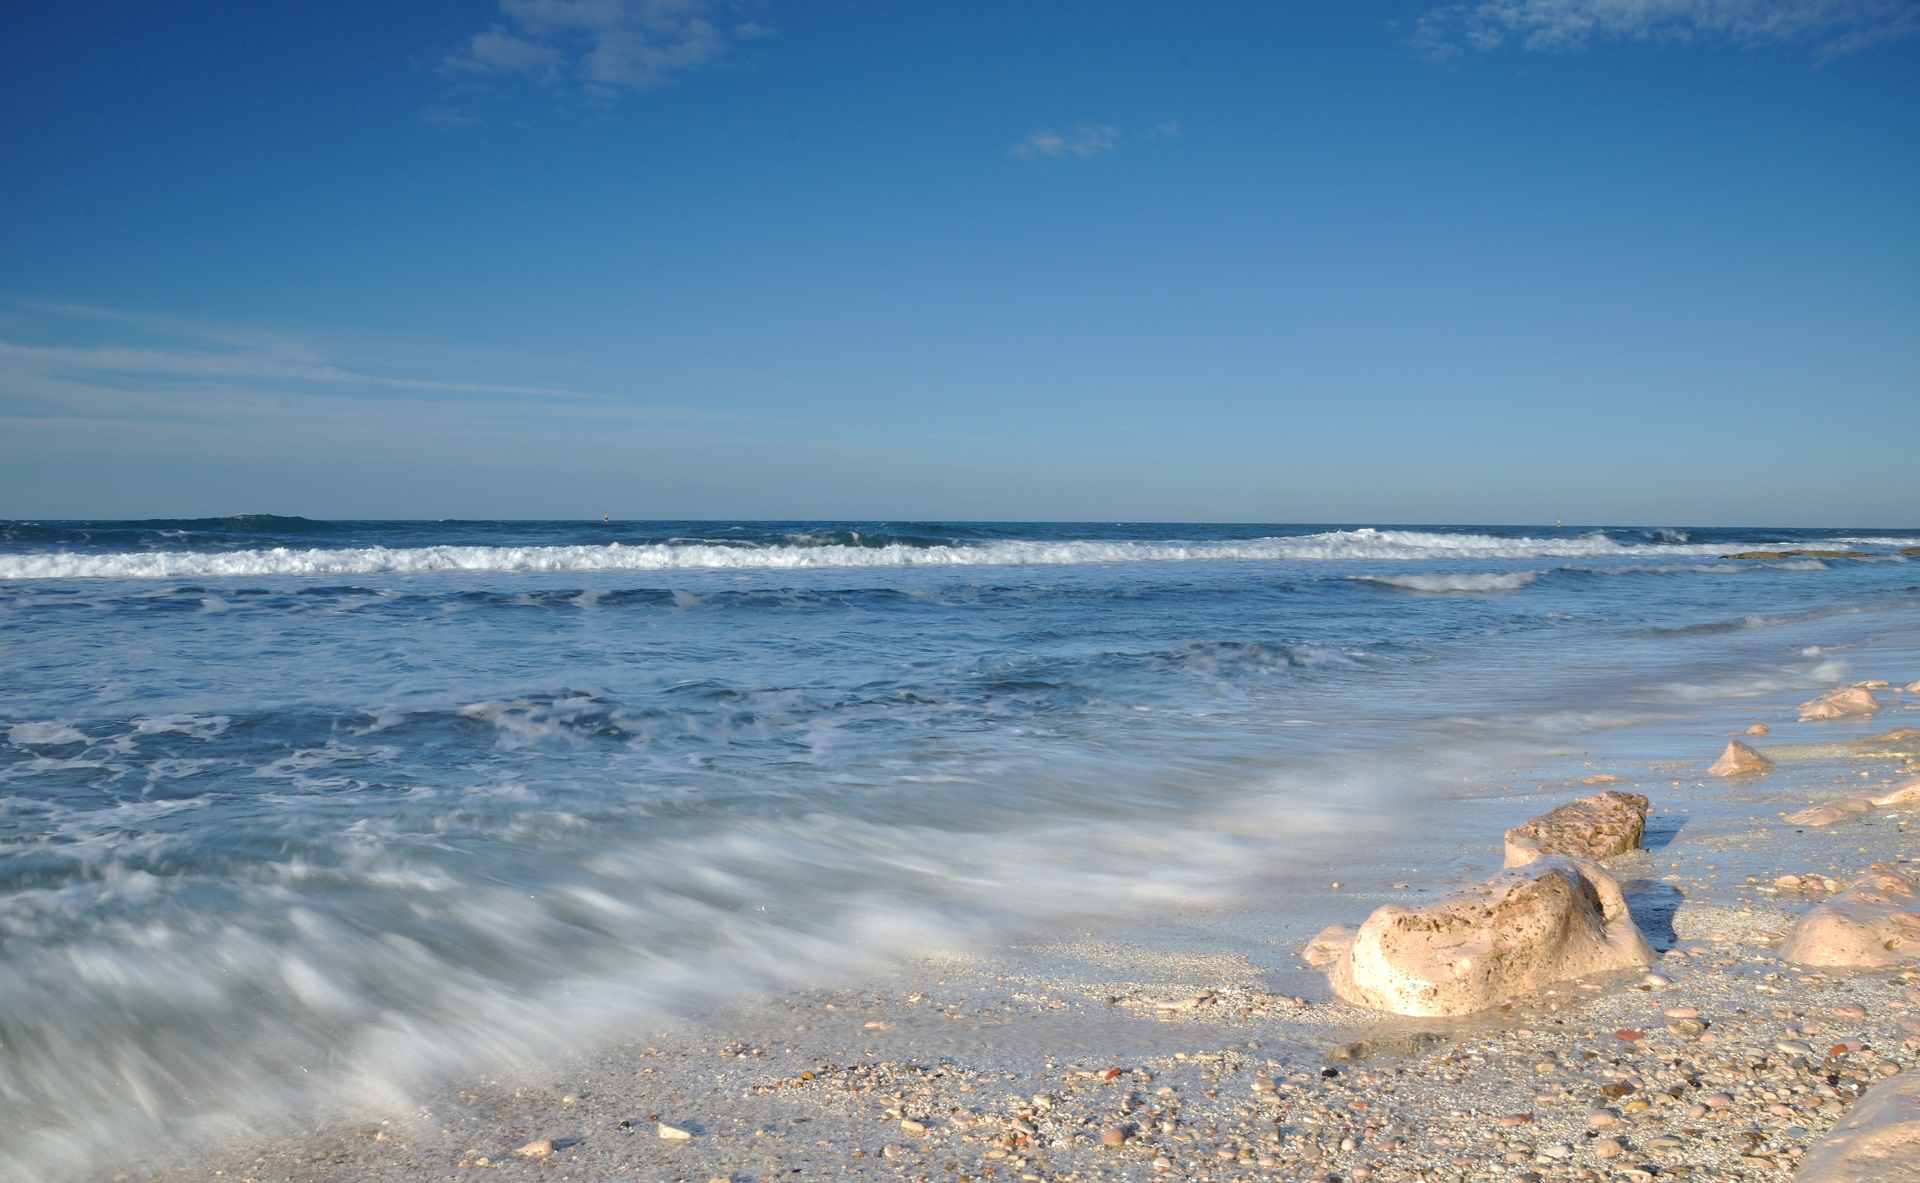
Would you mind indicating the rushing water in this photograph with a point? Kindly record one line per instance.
(295, 809)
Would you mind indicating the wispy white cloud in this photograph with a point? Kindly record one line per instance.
(601, 48)
(1833, 27)
(1088, 139)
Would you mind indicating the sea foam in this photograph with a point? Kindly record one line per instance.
(1336, 545)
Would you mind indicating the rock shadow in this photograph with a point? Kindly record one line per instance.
(1653, 905)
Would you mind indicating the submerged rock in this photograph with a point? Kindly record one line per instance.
(1879, 1142)
(1739, 760)
(1831, 812)
(1595, 827)
(1525, 929)
(1907, 794)
(1873, 924)
(1845, 703)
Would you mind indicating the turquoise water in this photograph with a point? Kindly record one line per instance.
(293, 810)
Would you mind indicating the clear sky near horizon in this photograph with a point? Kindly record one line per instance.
(1631, 261)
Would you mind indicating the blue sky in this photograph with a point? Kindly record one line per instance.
(1648, 261)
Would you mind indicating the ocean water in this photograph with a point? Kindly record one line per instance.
(298, 812)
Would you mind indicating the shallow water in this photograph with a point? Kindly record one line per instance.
(292, 810)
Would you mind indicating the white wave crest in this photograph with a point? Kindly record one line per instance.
(374, 560)
(1442, 584)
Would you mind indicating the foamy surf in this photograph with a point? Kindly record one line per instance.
(1333, 546)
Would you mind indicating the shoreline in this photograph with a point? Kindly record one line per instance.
(1220, 1055)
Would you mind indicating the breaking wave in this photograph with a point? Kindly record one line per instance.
(1442, 584)
(1333, 545)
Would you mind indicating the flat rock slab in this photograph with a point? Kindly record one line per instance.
(1879, 1142)
(1519, 932)
(1871, 925)
(1595, 827)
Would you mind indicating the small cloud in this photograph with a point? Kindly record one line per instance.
(1088, 139)
(1835, 26)
(599, 49)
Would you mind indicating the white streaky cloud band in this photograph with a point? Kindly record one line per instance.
(1834, 26)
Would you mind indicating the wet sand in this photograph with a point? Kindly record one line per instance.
(1205, 1049)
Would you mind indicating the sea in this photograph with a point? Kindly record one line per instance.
(298, 813)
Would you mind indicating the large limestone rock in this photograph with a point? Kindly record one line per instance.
(1595, 827)
(1845, 703)
(1739, 760)
(1517, 933)
(1871, 925)
(1879, 1142)
(1904, 797)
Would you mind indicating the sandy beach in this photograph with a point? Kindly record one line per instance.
(1200, 1046)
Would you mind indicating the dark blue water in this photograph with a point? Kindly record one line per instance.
(291, 808)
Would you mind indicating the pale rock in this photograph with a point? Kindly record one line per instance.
(539, 1148)
(1873, 924)
(1523, 930)
(1906, 795)
(1595, 827)
(1739, 760)
(1329, 946)
(1878, 1142)
(1758, 729)
(675, 1133)
(1845, 703)
(1833, 811)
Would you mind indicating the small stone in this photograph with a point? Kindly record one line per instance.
(1601, 1119)
(1608, 1148)
(913, 1127)
(1788, 881)
(675, 1133)
(1758, 729)
(1792, 1047)
(1681, 1012)
(1596, 827)
(1664, 1142)
(1739, 760)
(1656, 980)
(1716, 1100)
(890, 1151)
(1630, 1034)
(539, 1148)
(876, 1025)
(1849, 1010)
(1117, 1136)
(1689, 1028)
(1515, 1119)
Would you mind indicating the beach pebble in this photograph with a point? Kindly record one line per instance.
(1691, 1028)
(1681, 1012)
(1793, 1047)
(675, 1133)
(1515, 1119)
(1758, 729)
(890, 1151)
(913, 1127)
(1787, 881)
(1656, 980)
(1716, 1100)
(1117, 1136)
(1601, 1119)
(1608, 1148)
(876, 1025)
(1739, 760)
(1849, 1010)
(539, 1148)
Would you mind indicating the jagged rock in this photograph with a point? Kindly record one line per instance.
(1739, 760)
(1845, 703)
(1595, 827)
(1878, 1142)
(1873, 924)
(1833, 811)
(1522, 930)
